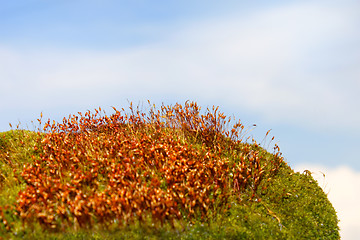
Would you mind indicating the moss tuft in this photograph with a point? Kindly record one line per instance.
(175, 173)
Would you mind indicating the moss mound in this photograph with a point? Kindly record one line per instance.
(172, 173)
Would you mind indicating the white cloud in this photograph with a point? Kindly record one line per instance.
(343, 189)
(279, 63)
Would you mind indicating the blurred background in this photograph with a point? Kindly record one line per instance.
(289, 66)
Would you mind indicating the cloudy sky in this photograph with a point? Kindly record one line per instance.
(289, 66)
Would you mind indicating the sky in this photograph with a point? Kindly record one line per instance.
(289, 66)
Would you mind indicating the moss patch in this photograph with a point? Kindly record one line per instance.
(69, 182)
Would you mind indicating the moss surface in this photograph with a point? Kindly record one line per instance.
(283, 205)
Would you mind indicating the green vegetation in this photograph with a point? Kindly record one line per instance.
(171, 174)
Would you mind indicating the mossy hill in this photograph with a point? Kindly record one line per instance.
(171, 173)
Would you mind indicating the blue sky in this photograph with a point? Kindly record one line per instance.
(289, 66)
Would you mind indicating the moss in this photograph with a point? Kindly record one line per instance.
(285, 205)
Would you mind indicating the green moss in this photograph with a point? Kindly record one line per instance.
(16, 149)
(292, 206)
(286, 205)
